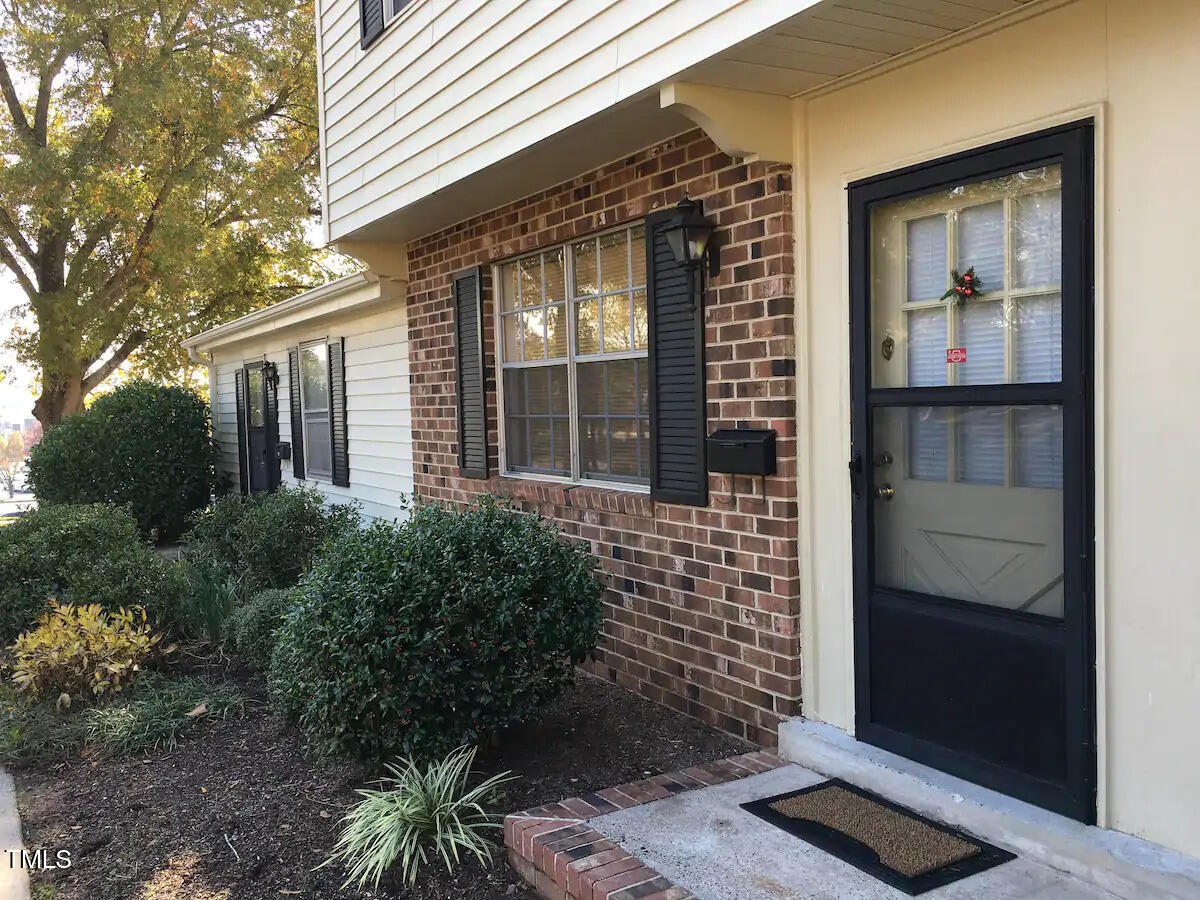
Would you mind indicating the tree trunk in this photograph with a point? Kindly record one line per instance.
(60, 397)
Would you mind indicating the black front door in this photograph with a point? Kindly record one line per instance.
(261, 428)
(971, 283)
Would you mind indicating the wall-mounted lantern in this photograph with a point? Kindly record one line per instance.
(689, 238)
(271, 374)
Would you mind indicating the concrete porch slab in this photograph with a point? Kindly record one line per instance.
(703, 841)
(1123, 865)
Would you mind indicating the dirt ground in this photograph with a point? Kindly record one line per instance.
(238, 810)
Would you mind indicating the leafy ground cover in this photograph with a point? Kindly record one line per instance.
(238, 810)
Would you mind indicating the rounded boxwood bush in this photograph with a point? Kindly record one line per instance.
(415, 638)
(251, 627)
(267, 540)
(82, 555)
(144, 446)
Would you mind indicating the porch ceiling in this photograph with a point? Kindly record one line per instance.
(837, 38)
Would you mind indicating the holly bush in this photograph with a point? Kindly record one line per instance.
(417, 638)
(252, 626)
(81, 555)
(266, 540)
(145, 446)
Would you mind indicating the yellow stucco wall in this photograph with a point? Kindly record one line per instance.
(1135, 64)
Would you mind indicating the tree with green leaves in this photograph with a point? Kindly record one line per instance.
(12, 458)
(158, 161)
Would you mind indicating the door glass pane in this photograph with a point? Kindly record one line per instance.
(1009, 230)
(1037, 325)
(926, 347)
(926, 258)
(1037, 239)
(255, 414)
(981, 243)
(1039, 447)
(928, 444)
(982, 535)
(981, 329)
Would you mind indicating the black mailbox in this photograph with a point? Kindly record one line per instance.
(283, 450)
(742, 451)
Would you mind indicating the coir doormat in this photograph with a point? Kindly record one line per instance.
(892, 843)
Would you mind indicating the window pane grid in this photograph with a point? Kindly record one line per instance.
(314, 409)
(1013, 332)
(600, 349)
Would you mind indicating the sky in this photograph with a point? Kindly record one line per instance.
(16, 390)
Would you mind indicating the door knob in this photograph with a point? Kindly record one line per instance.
(885, 492)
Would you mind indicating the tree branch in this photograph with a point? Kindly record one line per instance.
(13, 231)
(14, 103)
(14, 265)
(131, 343)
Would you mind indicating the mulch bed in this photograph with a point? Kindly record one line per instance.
(238, 810)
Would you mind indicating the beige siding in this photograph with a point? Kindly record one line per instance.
(378, 411)
(451, 88)
(1133, 66)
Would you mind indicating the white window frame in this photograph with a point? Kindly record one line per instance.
(392, 9)
(309, 473)
(1008, 296)
(572, 362)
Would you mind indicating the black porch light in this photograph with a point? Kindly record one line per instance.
(688, 237)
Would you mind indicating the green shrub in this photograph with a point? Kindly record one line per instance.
(252, 626)
(206, 598)
(267, 540)
(418, 814)
(144, 446)
(419, 637)
(80, 555)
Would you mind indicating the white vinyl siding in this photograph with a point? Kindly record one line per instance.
(452, 88)
(378, 406)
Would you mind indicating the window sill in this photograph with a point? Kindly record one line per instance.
(627, 499)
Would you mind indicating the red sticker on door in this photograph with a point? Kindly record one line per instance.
(956, 355)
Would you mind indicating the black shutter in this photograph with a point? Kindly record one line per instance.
(239, 381)
(297, 413)
(678, 421)
(271, 420)
(337, 414)
(371, 19)
(472, 396)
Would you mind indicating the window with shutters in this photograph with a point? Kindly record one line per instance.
(573, 355)
(315, 409)
(393, 8)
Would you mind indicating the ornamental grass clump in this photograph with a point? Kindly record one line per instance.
(421, 637)
(419, 814)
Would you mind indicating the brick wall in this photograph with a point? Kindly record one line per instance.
(702, 606)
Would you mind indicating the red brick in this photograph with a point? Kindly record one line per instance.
(751, 353)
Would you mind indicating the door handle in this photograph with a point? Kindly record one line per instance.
(885, 492)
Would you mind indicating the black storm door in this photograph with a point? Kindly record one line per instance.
(971, 284)
(261, 427)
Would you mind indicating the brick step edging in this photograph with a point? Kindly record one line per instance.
(556, 852)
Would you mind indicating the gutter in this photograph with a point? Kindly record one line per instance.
(276, 310)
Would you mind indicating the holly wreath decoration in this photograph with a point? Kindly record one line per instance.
(965, 285)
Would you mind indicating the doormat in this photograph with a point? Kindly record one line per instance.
(894, 844)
